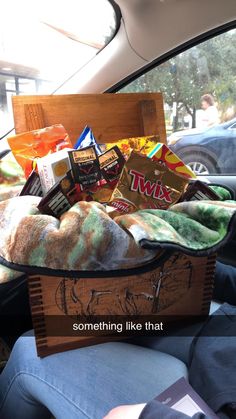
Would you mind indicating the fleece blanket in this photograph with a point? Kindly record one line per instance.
(87, 239)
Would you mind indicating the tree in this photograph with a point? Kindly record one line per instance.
(209, 67)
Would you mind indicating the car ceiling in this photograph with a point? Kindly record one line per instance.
(148, 29)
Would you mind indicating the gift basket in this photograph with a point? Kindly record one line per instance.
(110, 224)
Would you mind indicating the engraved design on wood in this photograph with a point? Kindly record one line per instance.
(147, 293)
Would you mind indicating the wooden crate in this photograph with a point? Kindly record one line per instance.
(180, 286)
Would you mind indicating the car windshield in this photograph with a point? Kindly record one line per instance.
(43, 43)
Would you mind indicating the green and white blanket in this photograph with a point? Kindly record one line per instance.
(87, 239)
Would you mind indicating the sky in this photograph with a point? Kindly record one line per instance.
(25, 40)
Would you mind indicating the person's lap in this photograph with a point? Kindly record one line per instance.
(177, 345)
(88, 382)
(84, 383)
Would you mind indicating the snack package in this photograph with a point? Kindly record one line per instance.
(30, 146)
(32, 185)
(145, 183)
(53, 168)
(139, 144)
(111, 164)
(10, 171)
(85, 166)
(199, 191)
(61, 197)
(87, 139)
(102, 192)
(163, 154)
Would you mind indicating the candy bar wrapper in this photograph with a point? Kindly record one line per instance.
(32, 185)
(112, 212)
(87, 139)
(100, 192)
(146, 184)
(199, 191)
(163, 154)
(111, 164)
(52, 168)
(85, 166)
(61, 197)
(139, 144)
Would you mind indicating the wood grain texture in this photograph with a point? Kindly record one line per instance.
(111, 116)
(34, 118)
(181, 286)
(149, 118)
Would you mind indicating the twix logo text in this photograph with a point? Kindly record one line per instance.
(144, 186)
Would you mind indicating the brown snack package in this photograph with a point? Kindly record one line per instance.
(111, 164)
(145, 183)
(199, 191)
(60, 197)
(85, 166)
(32, 185)
(103, 192)
(99, 192)
(112, 212)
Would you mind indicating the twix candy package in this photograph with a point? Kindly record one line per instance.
(163, 154)
(85, 166)
(146, 184)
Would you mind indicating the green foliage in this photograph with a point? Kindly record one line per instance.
(209, 67)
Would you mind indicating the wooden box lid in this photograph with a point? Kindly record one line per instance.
(111, 116)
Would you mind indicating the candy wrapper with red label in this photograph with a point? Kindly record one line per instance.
(146, 184)
(85, 166)
(111, 164)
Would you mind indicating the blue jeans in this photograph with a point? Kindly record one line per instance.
(83, 383)
(88, 382)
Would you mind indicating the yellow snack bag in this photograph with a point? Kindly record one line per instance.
(141, 145)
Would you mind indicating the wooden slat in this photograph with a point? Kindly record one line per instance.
(149, 117)
(34, 118)
(111, 116)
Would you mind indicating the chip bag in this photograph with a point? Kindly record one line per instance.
(139, 144)
(163, 154)
(10, 171)
(87, 139)
(29, 146)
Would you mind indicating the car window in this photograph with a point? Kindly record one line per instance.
(199, 90)
(48, 43)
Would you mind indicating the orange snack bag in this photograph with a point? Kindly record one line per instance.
(29, 146)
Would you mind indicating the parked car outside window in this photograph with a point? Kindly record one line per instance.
(203, 134)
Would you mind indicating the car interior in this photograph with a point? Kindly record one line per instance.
(184, 49)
